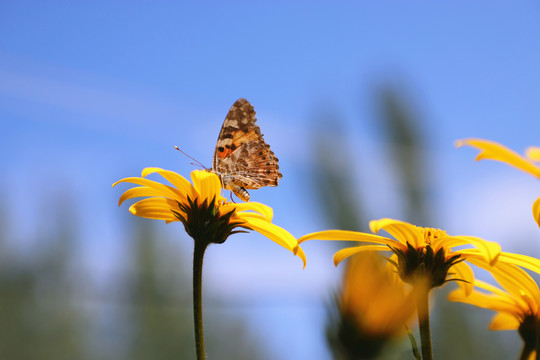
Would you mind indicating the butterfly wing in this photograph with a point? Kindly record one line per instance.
(242, 158)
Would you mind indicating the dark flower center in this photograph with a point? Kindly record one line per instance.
(205, 224)
(421, 264)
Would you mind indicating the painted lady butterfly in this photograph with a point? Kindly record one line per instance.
(242, 159)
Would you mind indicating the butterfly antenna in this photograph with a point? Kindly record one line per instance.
(196, 162)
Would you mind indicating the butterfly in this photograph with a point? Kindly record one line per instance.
(242, 159)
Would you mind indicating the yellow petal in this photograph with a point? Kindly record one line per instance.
(523, 261)
(463, 272)
(495, 151)
(475, 298)
(491, 288)
(345, 253)
(276, 234)
(343, 235)
(402, 231)
(300, 253)
(372, 298)
(503, 321)
(490, 249)
(141, 191)
(164, 190)
(512, 278)
(247, 215)
(504, 303)
(536, 211)
(155, 208)
(516, 281)
(487, 301)
(264, 210)
(178, 181)
(207, 184)
(533, 153)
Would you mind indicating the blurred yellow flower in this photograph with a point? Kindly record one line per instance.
(207, 215)
(517, 304)
(374, 307)
(418, 252)
(528, 163)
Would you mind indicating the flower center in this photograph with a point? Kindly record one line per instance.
(204, 222)
(431, 234)
(416, 265)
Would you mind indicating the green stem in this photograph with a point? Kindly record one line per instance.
(425, 331)
(198, 255)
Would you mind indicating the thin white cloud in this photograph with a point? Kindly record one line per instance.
(102, 102)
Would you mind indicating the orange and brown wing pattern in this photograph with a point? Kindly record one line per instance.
(242, 158)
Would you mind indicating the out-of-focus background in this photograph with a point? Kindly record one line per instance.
(361, 102)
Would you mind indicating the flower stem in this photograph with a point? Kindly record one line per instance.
(425, 331)
(198, 255)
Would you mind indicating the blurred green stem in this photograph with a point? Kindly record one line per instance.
(425, 331)
(198, 255)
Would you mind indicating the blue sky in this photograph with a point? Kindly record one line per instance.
(91, 92)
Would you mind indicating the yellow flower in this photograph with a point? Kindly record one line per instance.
(377, 298)
(375, 305)
(517, 304)
(418, 252)
(495, 151)
(207, 215)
